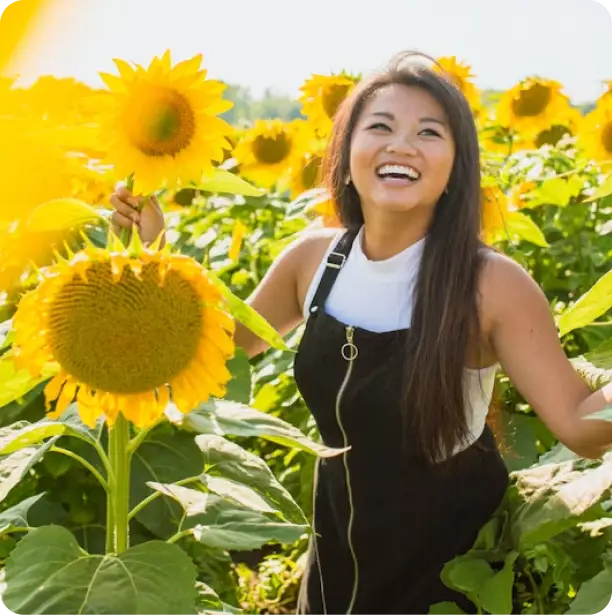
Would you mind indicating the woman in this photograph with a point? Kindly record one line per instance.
(408, 317)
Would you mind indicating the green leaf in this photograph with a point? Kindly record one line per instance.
(221, 524)
(239, 387)
(14, 383)
(61, 214)
(548, 499)
(495, 595)
(521, 440)
(209, 602)
(595, 302)
(593, 596)
(14, 467)
(243, 530)
(49, 573)
(15, 439)
(521, 226)
(605, 189)
(17, 516)
(166, 456)
(225, 182)
(556, 191)
(467, 574)
(228, 418)
(245, 478)
(446, 608)
(249, 317)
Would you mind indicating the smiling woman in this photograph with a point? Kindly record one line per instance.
(409, 316)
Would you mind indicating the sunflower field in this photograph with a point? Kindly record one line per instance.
(146, 464)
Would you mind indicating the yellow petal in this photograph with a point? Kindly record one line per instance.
(53, 389)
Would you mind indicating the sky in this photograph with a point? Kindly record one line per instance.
(279, 43)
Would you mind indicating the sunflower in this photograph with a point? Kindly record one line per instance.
(595, 133)
(321, 207)
(495, 208)
(461, 75)
(163, 127)
(305, 173)
(533, 105)
(266, 151)
(321, 97)
(128, 329)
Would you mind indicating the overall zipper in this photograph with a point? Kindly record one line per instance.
(349, 352)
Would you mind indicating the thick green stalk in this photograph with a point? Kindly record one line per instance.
(120, 461)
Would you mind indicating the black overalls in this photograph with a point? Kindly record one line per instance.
(385, 523)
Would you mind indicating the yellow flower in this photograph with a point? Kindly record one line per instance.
(321, 97)
(238, 233)
(164, 126)
(460, 74)
(32, 169)
(495, 208)
(596, 131)
(305, 174)
(266, 151)
(533, 105)
(128, 330)
(322, 207)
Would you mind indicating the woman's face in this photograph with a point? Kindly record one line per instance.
(402, 151)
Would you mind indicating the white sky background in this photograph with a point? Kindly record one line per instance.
(278, 44)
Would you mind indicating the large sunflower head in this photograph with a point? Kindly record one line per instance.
(128, 329)
(266, 151)
(595, 133)
(321, 97)
(164, 126)
(461, 75)
(533, 105)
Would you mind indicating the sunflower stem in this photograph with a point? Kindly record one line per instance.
(120, 460)
(137, 440)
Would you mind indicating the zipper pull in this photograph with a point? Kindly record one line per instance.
(349, 350)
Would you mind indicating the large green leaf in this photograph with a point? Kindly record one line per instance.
(28, 434)
(222, 524)
(549, 499)
(17, 516)
(595, 302)
(230, 468)
(602, 191)
(496, 593)
(15, 466)
(15, 383)
(521, 226)
(239, 387)
(222, 181)
(228, 418)
(557, 191)
(251, 319)
(209, 603)
(166, 456)
(49, 573)
(593, 596)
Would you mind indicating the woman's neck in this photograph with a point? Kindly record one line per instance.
(383, 239)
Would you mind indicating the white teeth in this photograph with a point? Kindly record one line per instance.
(397, 169)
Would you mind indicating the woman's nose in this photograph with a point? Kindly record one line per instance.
(402, 145)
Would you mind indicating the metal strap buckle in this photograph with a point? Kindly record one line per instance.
(332, 264)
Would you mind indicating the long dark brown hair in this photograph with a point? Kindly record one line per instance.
(445, 315)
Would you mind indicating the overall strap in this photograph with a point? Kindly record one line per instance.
(335, 261)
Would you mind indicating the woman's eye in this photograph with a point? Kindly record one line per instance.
(431, 131)
(380, 125)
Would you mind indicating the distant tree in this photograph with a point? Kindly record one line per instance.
(247, 109)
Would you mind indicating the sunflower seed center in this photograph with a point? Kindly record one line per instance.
(606, 137)
(129, 336)
(332, 97)
(271, 150)
(532, 101)
(159, 121)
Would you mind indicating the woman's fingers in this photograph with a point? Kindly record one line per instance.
(121, 221)
(123, 207)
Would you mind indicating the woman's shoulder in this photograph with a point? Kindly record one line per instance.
(505, 285)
